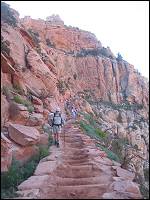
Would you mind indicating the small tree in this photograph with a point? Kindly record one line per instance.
(119, 57)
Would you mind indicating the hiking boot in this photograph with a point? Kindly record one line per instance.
(57, 144)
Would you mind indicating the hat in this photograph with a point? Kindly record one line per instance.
(58, 109)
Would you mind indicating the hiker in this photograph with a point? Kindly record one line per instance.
(57, 123)
(74, 113)
(50, 118)
(66, 104)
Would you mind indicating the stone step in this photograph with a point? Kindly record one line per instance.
(82, 171)
(75, 151)
(75, 156)
(76, 162)
(80, 142)
(94, 191)
(104, 178)
(81, 146)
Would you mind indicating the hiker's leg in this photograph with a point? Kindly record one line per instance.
(57, 139)
(55, 136)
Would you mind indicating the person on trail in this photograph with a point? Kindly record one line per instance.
(57, 123)
(74, 113)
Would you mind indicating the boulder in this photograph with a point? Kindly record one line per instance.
(31, 194)
(34, 182)
(119, 195)
(45, 113)
(36, 101)
(112, 115)
(116, 163)
(45, 168)
(24, 153)
(35, 119)
(18, 113)
(126, 186)
(23, 135)
(125, 173)
(21, 107)
(38, 108)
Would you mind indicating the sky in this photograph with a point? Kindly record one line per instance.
(121, 25)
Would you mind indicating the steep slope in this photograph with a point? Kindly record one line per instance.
(45, 63)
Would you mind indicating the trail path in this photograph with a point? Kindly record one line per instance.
(76, 170)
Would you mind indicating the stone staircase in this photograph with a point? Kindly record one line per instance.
(77, 170)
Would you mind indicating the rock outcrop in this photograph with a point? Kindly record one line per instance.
(45, 63)
(23, 135)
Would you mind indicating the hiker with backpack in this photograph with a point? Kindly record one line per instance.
(74, 113)
(57, 123)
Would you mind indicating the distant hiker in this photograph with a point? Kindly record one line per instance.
(57, 123)
(74, 113)
(30, 97)
(50, 118)
(66, 104)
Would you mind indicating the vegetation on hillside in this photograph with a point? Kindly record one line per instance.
(7, 15)
(19, 173)
(5, 47)
(114, 147)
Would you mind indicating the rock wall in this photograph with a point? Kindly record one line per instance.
(47, 62)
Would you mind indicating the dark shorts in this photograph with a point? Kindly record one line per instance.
(56, 129)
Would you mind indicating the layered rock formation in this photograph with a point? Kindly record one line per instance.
(46, 62)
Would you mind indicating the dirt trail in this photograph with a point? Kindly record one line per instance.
(76, 170)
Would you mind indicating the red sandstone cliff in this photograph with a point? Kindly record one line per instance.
(52, 62)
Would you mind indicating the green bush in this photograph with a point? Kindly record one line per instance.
(118, 146)
(100, 133)
(48, 42)
(18, 89)
(144, 191)
(43, 152)
(30, 109)
(7, 92)
(92, 131)
(12, 177)
(35, 36)
(7, 15)
(146, 174)
(50, 140)
(119, 57)
(19, 100)
(88, 52)
(5, 47)
(18, 173)
(8, 193)
(111, 155)
(62, 86)
(105, 52)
